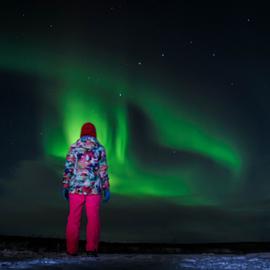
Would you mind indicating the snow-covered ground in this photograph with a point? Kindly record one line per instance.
(31, 260)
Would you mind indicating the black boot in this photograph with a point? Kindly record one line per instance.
(71, 254)
(92, 253)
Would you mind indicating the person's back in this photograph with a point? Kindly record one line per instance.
(85, 179)
(86, 167)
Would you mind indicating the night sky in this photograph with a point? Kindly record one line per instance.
(179, 94)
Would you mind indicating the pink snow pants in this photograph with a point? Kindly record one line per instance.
(92, 206)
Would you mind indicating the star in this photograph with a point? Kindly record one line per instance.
(190, 42)
(162, 54)
(213, 54)
(139, 63)
(120, 94)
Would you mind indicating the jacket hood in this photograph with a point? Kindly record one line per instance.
(88, 142)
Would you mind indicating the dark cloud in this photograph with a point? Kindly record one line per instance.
(33, 205)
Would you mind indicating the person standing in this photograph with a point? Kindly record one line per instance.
(85, 182)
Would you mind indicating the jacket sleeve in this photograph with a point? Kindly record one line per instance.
(69, 168)
(103, 170)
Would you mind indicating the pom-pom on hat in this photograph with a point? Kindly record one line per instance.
(88, 129)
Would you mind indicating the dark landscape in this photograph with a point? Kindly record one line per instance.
(18, 252)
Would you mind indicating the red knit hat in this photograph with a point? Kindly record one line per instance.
(88, 129)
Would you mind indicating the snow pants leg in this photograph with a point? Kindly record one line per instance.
(93, 222)
(76, 203)
(92, 204)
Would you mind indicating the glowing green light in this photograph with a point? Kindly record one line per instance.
(90, 92)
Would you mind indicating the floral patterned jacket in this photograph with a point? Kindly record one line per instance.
(86, 167)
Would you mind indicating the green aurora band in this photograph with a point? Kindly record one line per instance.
(99, 93)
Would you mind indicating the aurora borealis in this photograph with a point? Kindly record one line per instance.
(180, 107)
